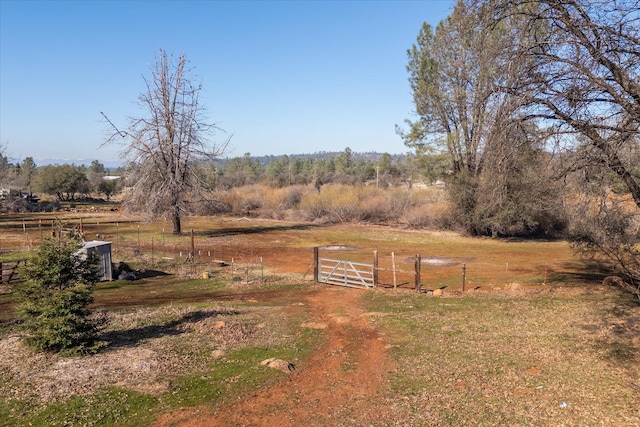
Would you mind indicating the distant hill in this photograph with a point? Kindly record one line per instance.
(263, 160)
(78, 162)
(369, 156)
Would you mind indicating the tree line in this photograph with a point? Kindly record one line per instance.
(70, 182)
(22, 181)
(346, 167)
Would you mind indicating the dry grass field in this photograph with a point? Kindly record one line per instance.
(533, 340)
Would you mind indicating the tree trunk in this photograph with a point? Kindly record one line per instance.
(177, 228)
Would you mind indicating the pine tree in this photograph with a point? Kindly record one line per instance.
(55, 296)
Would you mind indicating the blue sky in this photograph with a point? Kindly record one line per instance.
(285, 77)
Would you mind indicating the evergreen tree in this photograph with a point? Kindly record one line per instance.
(55, 296)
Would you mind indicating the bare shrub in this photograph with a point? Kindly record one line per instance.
(606, 229)
(337, 203)
(244, 200)
(334, 203)
(294, 195)
(376, 208)
(422, 208)
(210, 206)
(269, 202)
(312, 207)
(399, 200)
(231, 198)
(342, 203)
(273, 201)
(252, 198)
(429, 215)
(347, 203)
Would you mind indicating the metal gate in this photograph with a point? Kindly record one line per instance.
(345, 273)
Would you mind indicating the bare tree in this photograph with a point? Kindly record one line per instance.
(168, 143)
(585, 72)
(584, 84)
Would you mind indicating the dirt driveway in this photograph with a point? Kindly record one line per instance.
(341, 384)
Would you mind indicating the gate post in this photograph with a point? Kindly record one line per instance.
(316, 270)
(375, 269)
(418, 266)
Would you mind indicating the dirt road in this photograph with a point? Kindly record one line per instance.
(341, 384)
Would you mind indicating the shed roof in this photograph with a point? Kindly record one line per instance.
(94, 244)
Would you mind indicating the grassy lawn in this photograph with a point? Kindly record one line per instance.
(554, 356)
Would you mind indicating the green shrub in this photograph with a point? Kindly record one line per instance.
(55, 296)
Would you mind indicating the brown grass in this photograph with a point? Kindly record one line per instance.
(147, 348)
(540, 356)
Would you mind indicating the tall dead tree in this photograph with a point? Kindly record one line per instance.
(168, 142)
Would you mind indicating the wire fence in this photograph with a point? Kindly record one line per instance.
(138, 245)
(151, 247)
(426, 273)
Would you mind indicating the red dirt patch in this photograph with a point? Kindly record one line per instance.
(343, 380)
(534, 371)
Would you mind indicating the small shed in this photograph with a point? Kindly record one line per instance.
(103, 251)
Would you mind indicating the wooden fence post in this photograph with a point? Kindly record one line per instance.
(418, 278)
(193, 254)
(193, 249)
(393, 265)
(316, 267)
(464, 275)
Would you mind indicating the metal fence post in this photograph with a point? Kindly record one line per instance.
(375, 268)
